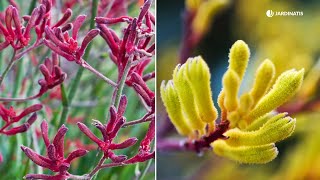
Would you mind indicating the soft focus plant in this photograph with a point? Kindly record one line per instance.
(53, 45)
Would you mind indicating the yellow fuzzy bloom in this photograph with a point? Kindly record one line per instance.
(246, 154)
(172, 103)
(250, 124)
(239, 57)
(198, 73)
(287, 84)
(231, 84)
(264, 77)
(276, 129)
(187, 98)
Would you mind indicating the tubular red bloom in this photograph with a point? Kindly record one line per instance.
(10, 117)
(109, 132)
(55, 160)
(134, 42)
(67, 46)
(53, 75)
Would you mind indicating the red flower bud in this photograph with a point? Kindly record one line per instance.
(112, 120)
(44, 131)
(77, 24)
(122, 105)
(88, 132)
(58, 140)
(75, 154)
(64, 18)
(87, 39)
(127, 143)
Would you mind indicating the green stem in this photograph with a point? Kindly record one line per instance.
(122, 82)
(65, 104)
(145, 169)
(75, 83)
(11, 63)
(32, 5)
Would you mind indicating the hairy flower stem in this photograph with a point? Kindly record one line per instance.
(75, 83)
(98, 74)
(147, 117)
(3, 99)
(118, 91)
(11, 63)
(198, 145)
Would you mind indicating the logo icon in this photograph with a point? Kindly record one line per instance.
(269, 13)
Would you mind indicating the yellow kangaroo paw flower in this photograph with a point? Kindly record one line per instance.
(239, 58)
(287, 84)
(246, 154)
(171, 102)
(187, 99)
(198, 74)
(264, 77)
(231, 83)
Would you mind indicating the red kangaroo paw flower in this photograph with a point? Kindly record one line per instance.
(52, 152)
(58, 140)
(117, 127)
(112, 120)
(142, 93)
(75, 154)
(55, 160)
(87, 39)
(77, 24)
(122, 105)
(88, 132)
(138, 79)
(64, 18)
(145, 143)
(125, 144)
(36, 158)
(44, 132)
(115, 158)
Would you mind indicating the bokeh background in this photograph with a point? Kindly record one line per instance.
(289, 41)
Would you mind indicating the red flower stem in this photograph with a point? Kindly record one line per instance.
(3, 99)
(11, 63)
(147, 117)
(198, 145)
(34, 46)
(97, 168)
(98, 74)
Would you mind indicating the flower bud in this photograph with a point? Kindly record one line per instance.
(287, 84)
(264, 77)
(246, 154)
(127, 143)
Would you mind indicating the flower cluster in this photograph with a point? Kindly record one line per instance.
(133, 49)
(10, 117)
(53, 74)
(248, 126)
(59, 40)
(109, 132)
(55, 160)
